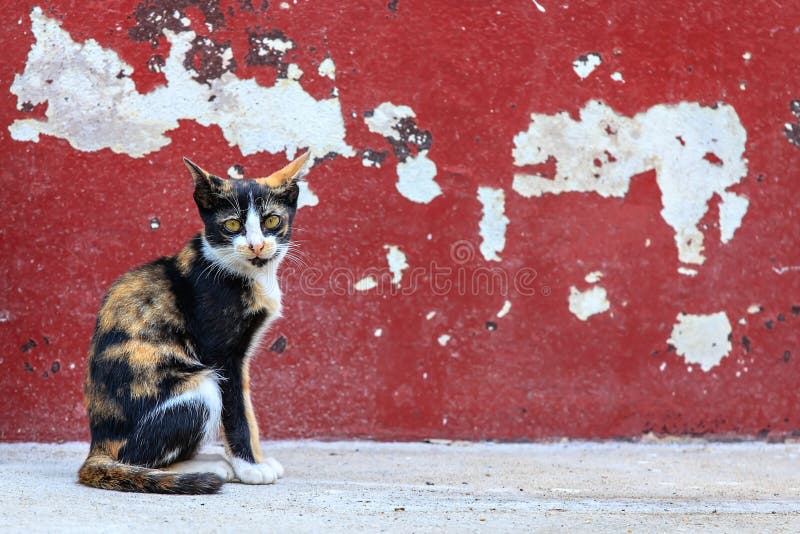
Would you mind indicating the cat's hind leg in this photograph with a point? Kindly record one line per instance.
(174, 429)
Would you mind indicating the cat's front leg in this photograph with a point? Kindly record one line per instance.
(240, 439)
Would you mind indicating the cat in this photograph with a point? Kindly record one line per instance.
(169, 358)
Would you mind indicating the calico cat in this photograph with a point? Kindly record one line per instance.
(169, 358)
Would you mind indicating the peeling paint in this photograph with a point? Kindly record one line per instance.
(378, 332)
(430, 315)
(443, 339)
(593, 277)
(306, 196)
(397, 262)
(584, 304)
(366, 283)
(415, 178)
(327, 68)
(90, 107)
(675, 140)
(702, 339)
(493, 224)
(585, 64)
(687, 271)
(504, 310)
(617, 77)
(415, 173)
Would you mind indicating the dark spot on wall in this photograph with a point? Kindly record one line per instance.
(55, 367)
(795, 311)
(207, 58)
(792, 131)
(392, 5)
(412, 139)
(30, 344)
(26, 107)
(121, 74)
(670, 347)
(768, 324)
(45, 375)
(239, 170)
(781, 317)
(155, 223)
(377, 158)
(279, 345)
(491, 326)
(154, 16)
(28, 367)
(156, 63)
(260, 53)
(247, 5)
(786, 356)
(746, 343)
(46, 340)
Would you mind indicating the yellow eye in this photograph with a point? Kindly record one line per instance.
(272, 222)
(233, 225)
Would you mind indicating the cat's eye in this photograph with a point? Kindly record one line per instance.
(233, 225)
(272, 222)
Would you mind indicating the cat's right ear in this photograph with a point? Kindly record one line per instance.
(206, 185)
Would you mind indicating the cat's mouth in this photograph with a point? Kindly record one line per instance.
(259, 262)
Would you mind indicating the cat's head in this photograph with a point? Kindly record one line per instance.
(248, 223)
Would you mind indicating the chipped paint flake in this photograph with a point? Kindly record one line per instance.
(493, 224)
(584, 304)
(397, 262)
(443, 339)
(593, 277)
(753, 309)
(687, 271)
(617, 77)
(293, 72)
(378, 332)
(430, 315)
(504, 310)
(306, 197)
(585, 64)
(702, 339)
(327, 68)
(90, 107)
(366, 283)
(415, 178)
(415, 175)
(675, 140)
(732, 210)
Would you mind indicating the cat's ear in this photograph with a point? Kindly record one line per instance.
(206, 185)
(286, 175)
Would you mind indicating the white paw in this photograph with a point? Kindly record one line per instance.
(275, 465)
(248, 473)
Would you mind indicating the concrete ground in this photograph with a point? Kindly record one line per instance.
(431, 487)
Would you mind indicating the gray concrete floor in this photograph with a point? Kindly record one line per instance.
(432, 487)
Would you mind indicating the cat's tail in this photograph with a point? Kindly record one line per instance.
(104, 472)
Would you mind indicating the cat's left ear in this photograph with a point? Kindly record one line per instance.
(286, 175)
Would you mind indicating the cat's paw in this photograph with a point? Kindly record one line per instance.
(248, 473)
(276, 466)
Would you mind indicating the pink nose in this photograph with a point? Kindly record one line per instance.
(257, 248)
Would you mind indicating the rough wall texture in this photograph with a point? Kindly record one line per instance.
(527, 219)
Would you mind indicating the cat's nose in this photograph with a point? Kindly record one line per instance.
(256, 248)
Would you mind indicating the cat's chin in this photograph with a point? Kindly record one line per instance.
(260, 262)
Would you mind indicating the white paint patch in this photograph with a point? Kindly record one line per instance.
(687, 271)
(234, 173)
(443, 339)
(617, 77)
(327, 68)
(294, 72)
(593, 277)
(415, 175)
(504, 310)
(539, 6)
(584, 65)
(602, 150)
(584, 304)
(732, 210)
(430, 315)
(365, 284)
(378, 332)
(415, 178)
(93, 109)
(397, 262)
(753, 309)
(493, 224)
(702, 339)
(306, 196)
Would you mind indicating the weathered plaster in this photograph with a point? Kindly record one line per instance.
(702, 339)
(584, 304)
(493, 224)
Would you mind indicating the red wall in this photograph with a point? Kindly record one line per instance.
(88, 159)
